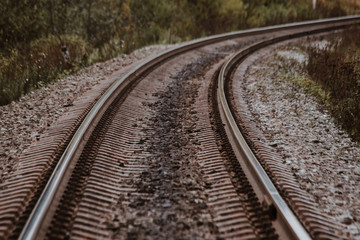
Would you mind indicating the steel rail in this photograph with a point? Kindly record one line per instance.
(264, 187)
(39, 220)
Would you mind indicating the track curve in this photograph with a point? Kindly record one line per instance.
(261, 164)
(140, 137)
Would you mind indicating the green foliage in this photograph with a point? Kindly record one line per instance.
(336, 69)
(39, 65)
(20, 22)
(10, 68)
(108, 28)
(312, 88)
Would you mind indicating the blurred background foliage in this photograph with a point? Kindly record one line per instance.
(32, 32)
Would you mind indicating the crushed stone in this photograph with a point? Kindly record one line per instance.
(323, 158)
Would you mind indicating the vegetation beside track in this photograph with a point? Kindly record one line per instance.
(330, 73)
(336, 68)
(32, 33)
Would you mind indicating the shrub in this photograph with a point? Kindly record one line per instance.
(40, 64)
(115, 27)
(10, 71)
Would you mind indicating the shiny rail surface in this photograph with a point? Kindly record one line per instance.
(293, 228)
(42, 213)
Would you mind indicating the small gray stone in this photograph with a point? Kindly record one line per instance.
(357, 171)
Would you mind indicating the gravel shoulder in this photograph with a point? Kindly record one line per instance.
(23, 122)
(321, 156)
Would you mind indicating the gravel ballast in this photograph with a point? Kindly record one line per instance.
(322, 157)
(24, 121)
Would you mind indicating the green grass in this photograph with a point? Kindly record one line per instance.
(312, 88)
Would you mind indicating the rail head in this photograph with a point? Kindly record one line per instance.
(293, 229)
(267, 192)
(39, 219)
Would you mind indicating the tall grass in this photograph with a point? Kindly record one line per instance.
(337, 69)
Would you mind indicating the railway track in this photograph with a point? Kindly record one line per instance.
(153, 159)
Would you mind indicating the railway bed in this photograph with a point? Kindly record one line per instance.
(155, 158)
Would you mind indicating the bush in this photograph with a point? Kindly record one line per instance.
(110, 28)
(10, 86)
(38, 65)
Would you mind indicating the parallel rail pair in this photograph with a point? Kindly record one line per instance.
(38, 222)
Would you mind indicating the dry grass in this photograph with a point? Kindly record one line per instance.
(337, 69)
